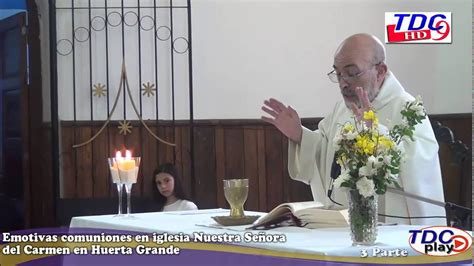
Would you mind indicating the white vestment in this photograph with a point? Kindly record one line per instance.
(420, 172)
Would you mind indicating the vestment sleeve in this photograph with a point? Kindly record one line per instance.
(306, 160)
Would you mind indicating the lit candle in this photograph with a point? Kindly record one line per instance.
(127, 164)
(127, 168)
(114, 169)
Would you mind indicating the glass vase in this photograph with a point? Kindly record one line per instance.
(362, 218)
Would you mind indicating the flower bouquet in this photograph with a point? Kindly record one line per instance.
(370, 160)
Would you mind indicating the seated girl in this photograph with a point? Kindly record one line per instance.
(169, 192)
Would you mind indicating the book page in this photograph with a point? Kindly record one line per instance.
(324, 217)
(285, 209)
(297, 207)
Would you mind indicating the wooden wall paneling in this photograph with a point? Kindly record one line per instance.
(274, 165)
(156, 162)
(456, 179)
(45, 195)
(67, 159)
(165, 152)
(223, 150)
(220, 166)
(101, 175)
(300, 191)
(149, 161)
(262, 174)
(133, 143)
(182, 158)
(460, 128)
(467, 182)
(458, 125)
(205, 167)
(161, 157)
(116, 143)
(84, 163)
(234, 152)
(141, 176)
(170, 150)
(451, 176)
(178, 153)
(311, 123)
(110, 153)
(251, 168)
(186, 160)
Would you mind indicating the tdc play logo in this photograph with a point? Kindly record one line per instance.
(418, 27)
(440, 240)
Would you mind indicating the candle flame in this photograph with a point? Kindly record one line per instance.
(128, 155)
(118, 155)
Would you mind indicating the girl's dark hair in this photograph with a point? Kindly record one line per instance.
(178, 191)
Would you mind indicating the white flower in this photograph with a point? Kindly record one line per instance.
(366, 187)
(370, 168)
(387, 159)
(404, 122)
(341, 179)
(418, 100)
(351, 135)
(389, 175)
(366, 171)
(421, 113)
(337, 140)
(417, 106)
(375, 161)
(419, 109)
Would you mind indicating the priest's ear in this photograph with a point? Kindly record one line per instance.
(381, 71)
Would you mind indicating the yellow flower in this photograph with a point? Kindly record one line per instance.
(386, 142)
(370, 116)
(365, 145)
(348, 128)
(341, 160)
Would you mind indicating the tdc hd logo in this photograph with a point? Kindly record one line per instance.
(440, 240)
(418, 27)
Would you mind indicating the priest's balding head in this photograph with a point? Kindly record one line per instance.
(359, 62)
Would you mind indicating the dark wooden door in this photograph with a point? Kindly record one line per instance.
(14, 126)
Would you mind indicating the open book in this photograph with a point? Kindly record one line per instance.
(309, 214)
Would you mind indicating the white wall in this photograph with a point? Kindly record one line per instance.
(246, 51)
(78, 87)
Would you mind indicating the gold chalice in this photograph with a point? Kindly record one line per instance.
(236, 192)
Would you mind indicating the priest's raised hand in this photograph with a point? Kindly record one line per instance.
(283, 117)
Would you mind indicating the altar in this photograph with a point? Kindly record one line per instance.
(278, 246)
